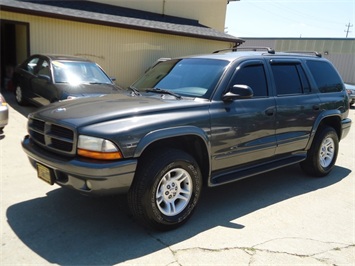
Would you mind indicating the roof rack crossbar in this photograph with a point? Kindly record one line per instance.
(223, 50)
(252, 48)
(317, 54)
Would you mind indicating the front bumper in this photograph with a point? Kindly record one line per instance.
(84, 175)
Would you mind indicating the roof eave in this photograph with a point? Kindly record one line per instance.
(26, 11)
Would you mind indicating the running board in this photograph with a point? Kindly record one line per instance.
(241, 173)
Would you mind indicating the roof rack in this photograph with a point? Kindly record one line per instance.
(317, 54)
(252, 48)
(223, 50)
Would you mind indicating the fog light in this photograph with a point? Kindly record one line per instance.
(88, 184)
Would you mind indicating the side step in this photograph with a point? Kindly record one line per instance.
(251, 170)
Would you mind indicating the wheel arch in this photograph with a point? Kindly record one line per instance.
(329, 118)
(192, 140)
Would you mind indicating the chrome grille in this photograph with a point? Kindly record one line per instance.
(52, 136)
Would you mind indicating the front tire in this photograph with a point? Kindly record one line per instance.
(165, 190)
(323, 153)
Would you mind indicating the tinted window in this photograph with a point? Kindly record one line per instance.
(304, 79)
(44, 69)
(287, 79)
(254, 77)
(325, 76)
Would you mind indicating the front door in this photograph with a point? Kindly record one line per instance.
(243, 130)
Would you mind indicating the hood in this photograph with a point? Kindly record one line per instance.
(87, 90)
(84, 111)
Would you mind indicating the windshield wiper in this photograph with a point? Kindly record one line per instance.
(157, 90)
(134, 91)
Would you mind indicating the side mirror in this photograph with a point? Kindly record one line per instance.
(44, 77)
(238, 91)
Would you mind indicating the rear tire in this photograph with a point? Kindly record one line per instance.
(323, 153)
(165, 190)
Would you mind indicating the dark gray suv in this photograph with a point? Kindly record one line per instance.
(190, 122)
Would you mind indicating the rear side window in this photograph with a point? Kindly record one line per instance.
(289, 79)
(44, 69)
(254, 77)
(31, 65)
(325, 76)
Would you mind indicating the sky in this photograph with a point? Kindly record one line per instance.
(291, 18)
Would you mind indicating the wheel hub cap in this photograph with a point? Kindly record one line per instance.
(326, 152)
(174, 192)
(171, 191)
(18, 94)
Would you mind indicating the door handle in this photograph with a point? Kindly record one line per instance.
(270, 111)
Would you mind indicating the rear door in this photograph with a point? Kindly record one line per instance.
(297, 105)
(25, 74)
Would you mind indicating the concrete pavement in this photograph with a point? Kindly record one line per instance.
(279, 218)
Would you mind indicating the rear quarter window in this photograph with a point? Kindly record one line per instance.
(325, 76)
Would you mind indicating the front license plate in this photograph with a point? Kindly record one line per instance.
(44, 173)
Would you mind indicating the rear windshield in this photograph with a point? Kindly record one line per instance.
(186, 77)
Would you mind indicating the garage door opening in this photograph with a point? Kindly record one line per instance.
(15, 47)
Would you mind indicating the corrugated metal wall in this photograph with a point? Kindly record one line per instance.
(123, 53)
(341, 52)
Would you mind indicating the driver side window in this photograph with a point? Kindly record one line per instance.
(254, 77)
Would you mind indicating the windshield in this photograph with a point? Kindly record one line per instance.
(191, 77)
(75, 73)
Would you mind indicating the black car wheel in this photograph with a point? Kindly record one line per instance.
(165, 190)
(323, 153)
(19, 95)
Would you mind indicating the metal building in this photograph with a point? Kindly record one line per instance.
(341, 52)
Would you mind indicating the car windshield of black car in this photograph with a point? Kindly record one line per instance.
(76, 73)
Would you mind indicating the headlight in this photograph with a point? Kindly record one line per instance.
(98, 148)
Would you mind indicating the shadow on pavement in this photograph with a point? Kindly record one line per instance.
(10, 99)
(67, 228)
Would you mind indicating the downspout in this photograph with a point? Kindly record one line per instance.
(163, 11)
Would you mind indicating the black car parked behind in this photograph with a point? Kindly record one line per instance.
(43, 79)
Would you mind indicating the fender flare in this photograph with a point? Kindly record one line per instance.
(165, 133)
(324, 115)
